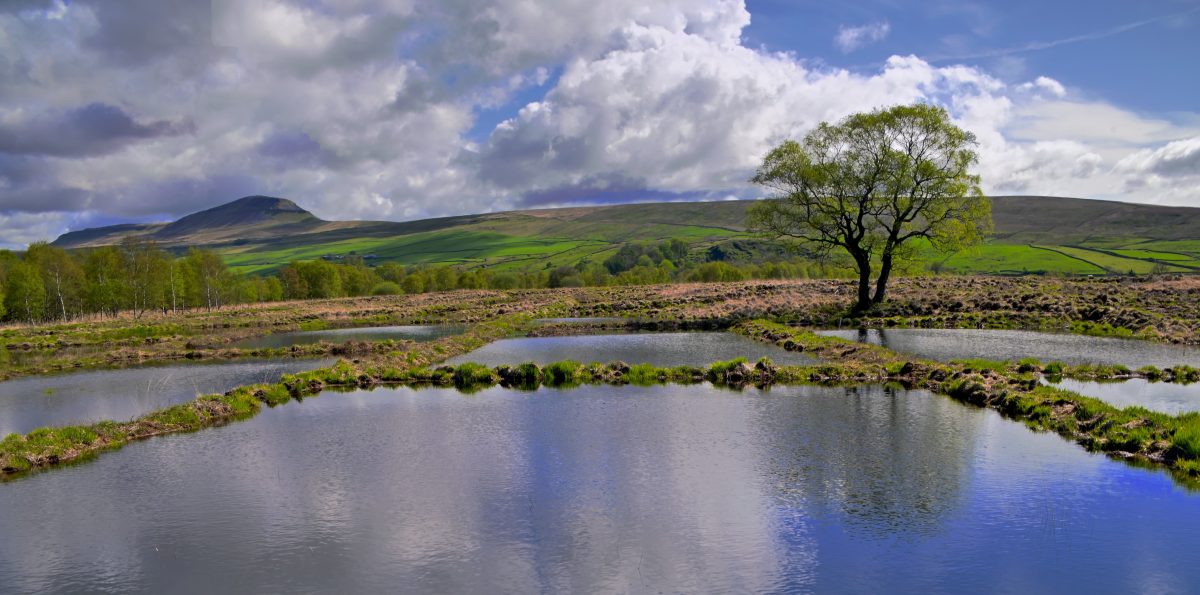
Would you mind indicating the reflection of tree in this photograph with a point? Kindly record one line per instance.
(864, 336)
(886, 459)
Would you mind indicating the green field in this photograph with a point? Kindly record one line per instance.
(472, 247)
(1155, 255)
(1013, 259)
(1033, 235)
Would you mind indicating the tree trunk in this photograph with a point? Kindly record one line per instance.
(885, 270)
(58, 286)
(863, 262)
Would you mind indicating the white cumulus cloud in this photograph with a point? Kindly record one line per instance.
(361, 109)
(849, 39)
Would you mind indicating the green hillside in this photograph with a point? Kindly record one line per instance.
(1033, 235)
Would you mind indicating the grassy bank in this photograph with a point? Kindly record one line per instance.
(1011, 388)
(46, 447)
(1132, 433)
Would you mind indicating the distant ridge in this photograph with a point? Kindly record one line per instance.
(260, 234)
(1022, 219)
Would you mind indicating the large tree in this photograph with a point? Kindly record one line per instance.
(26, 296)
(62, 278)
(874, 185)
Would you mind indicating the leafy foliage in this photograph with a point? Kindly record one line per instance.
(870, 185)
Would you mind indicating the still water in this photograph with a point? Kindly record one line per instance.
(79, 397)
(1156, 396)
(414, 332)
(659, 349)
(604, 489)
(948, 344)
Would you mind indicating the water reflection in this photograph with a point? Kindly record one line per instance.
(680, 489)
(948, 344)
(852, 452)
(659, 349)
(121, 394)
(1165, 397)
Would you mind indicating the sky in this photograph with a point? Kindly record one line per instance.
(146, 110)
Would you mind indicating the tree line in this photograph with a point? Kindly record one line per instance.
(48, 283)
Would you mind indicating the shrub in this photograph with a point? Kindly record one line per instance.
(643, 374)
(720, 368)
(387, 288)
(1150, 372)
(1029, 364)
(561, 373)
(472, 374)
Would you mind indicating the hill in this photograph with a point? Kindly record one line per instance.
(1033, 234)
(248, 218)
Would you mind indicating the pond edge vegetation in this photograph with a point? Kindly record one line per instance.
(1014, 389)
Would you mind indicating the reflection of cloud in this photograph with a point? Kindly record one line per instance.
(667, 488)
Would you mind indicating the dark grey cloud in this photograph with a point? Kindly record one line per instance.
(294, 148)
(603, 190)
(417, 93)
(30, 184)
(19, 6)
(515, 157)
(180, 196)
(1183, 163)
(94, 129)
(45, 199)
(135, 32)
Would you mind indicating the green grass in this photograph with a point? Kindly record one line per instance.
(1017, 259)
(978, 364)
(527, 242)
(1188, 247)
(1109, 262)
(443, 247)
(510, 243)
(1156, 255)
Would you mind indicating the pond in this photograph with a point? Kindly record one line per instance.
(659, 349)
(948, 344)
(121, 394)
(604, 489)
(1163, 397)
(412, 332)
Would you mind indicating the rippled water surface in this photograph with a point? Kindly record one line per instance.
(948, 344)
(79, 397)
(604, 489)
(416, 332)
(659, 349)
(1156, 396)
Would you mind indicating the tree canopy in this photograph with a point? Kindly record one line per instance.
(870, 185)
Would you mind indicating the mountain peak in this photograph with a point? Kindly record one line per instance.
(257, 211)
(262, 203)
(247, 218)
